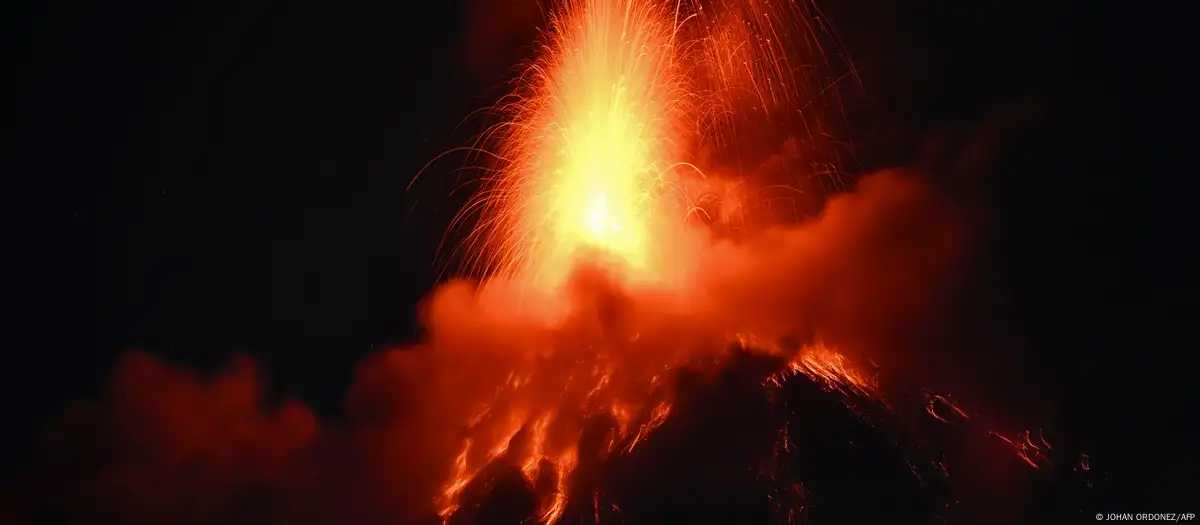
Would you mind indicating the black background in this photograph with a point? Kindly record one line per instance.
(199, 179)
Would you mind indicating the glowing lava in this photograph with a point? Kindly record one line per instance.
(592, 134)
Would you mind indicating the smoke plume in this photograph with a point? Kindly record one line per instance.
(164, 445)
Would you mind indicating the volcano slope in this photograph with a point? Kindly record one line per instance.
(759, 438)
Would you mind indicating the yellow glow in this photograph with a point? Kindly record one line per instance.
(601, 132)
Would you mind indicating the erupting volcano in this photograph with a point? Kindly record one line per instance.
(584, 232)
(652, 335)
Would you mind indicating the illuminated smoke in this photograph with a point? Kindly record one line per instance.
(502, 413)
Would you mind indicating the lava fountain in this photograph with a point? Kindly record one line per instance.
(591, 141)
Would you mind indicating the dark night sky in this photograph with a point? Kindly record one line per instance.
(198, 179)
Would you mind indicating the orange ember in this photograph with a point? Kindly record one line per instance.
(937, 402)
(1034, 452)
(831, 369)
